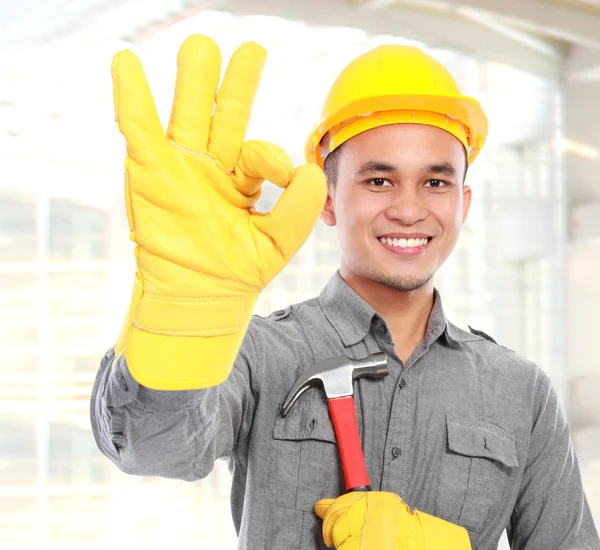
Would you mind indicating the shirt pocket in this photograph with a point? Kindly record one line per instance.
(304, 463)
(476, 465)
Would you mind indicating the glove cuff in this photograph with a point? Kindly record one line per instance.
(182, 343)
(183, 316)
(440, 533)
(173, 363)
(127, 325)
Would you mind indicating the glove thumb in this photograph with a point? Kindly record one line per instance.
(322, 506)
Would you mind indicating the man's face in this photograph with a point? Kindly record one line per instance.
(399, 203)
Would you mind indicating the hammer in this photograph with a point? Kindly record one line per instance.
(336, 375)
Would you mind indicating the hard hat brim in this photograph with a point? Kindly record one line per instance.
(462, 108)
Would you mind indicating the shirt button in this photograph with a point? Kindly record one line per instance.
(402, 384)
(382, 329)
(123, 383)
(396, 452)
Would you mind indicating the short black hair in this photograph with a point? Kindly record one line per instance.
(332, 161)
(331, 164)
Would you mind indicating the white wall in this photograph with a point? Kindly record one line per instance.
(582, 269)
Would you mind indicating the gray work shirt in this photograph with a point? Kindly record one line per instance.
(466, 430)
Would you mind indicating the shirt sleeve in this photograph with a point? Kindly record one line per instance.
(174, 434)
(551, 510)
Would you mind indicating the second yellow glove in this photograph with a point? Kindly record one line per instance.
(382, 521)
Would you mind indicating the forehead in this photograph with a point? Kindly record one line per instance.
(404, 143)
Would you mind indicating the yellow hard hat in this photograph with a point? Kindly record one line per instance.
(395, 84)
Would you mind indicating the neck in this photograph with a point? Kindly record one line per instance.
(405, 313)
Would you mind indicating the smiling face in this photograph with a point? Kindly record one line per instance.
(399, 203)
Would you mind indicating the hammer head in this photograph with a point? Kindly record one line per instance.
(336, 375)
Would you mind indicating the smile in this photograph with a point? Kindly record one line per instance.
(405, 246)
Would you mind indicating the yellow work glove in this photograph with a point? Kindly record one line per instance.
(382, 521)
(203, 254)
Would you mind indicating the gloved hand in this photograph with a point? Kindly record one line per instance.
(382, 521)
(203, 254)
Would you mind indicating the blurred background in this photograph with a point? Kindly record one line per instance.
(525, 271)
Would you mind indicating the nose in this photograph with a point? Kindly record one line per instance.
(406, 206)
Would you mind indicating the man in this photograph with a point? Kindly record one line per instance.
(462, 430)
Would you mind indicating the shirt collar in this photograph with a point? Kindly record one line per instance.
(352, 317)
(437, 324)
(347, 312)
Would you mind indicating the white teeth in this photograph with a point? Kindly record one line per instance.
(404, 243)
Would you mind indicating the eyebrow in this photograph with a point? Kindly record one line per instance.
(375, 166)
(442, 168)
(379, 166)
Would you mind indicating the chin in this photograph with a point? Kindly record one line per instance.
(402, 282)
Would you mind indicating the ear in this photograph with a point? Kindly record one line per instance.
(466, 198)
(327, 214)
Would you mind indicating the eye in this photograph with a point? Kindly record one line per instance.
(436, 184)
(378, 182)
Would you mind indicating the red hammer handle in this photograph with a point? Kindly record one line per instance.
(343, 416)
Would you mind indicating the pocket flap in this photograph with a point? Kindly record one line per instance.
(308, 419)
(470, 437)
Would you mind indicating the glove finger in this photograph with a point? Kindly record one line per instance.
(296, 212)
(382, 523)
(322, 506)
(198, 73)
(260, 161)
(234, 103)
(439, 533)
(340, 521)
(135, 111)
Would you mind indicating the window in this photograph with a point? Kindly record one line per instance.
(77, 231)
(18, 238)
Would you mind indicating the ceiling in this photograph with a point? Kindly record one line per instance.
(532, 34)
(555, 39)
